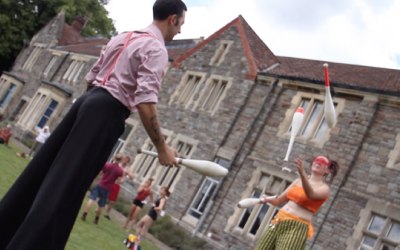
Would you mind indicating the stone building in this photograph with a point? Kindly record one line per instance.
(229, 99)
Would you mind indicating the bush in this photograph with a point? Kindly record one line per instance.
(122, 206)
(164, 229)
(28, 142)
(174, 236)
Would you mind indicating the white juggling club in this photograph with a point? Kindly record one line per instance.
(249, 202)
(203, 167)
(296, 124)
(329, 108)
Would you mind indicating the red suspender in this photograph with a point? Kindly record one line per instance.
(127, 42)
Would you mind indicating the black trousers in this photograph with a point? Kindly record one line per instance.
(40, 209)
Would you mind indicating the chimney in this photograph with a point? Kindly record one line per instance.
(79, 23)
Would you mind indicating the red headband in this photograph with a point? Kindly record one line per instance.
(321, 160)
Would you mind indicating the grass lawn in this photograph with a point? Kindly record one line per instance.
(107, 235)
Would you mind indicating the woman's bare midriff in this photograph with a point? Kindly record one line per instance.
(293, 208)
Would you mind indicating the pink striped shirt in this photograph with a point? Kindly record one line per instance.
(136, 77)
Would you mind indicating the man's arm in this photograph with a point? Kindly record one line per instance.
(149, 117)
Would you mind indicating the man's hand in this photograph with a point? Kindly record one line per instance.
(167, 156)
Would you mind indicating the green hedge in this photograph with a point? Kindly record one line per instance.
(164, 229)
(174, 236)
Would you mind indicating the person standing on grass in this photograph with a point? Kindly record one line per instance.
(145, 223)
(44, 133)
(143, 192)
(111, 172)
(114, 192)
(126, 78)
(292, 225)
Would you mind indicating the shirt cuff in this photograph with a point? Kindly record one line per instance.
(146, 98)
(90, 76)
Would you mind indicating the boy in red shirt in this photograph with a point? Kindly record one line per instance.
(111, 172)
(113, 194)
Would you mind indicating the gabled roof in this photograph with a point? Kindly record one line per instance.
(340, 74)
(90, 46)
(259, 56)
(93, 45)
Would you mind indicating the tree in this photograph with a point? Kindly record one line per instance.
(21, 19)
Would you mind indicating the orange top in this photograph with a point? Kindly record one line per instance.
(296, 194)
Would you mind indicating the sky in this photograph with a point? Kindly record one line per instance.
(360, 32)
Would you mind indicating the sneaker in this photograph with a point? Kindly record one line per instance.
(107, 217)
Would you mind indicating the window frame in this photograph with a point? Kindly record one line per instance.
(389, 211)
(48, 112)
(180, 97)
(233, 222)
(206, 93)
(213, 183)
(5, 83)
(191, 219)
(73, 71)
(50, 65)
(154, 169)
(284, 127)
(33, 57)
(221, 52)
(394, 155)
(37, 106)
(6, 97)
(120, 145)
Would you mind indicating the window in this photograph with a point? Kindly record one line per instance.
(220, 53)
(206, 192)
(188, 88)
(146, 166)
(203, 197)
(167, 176)
(33, 56)
(50, 66)
(17, 111)
(9, 87)
(47, 113)
(252, 218)
(314, 125)
(212, 94)
(314, 128)
(193, 94)
(378, 227)
(129, 127)
(381, 233)
(73, 72)
(5, 99)
(42, 108)
(394, 155)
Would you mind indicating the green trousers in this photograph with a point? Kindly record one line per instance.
(285, 235)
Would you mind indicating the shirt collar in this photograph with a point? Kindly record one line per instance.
(155, 31)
